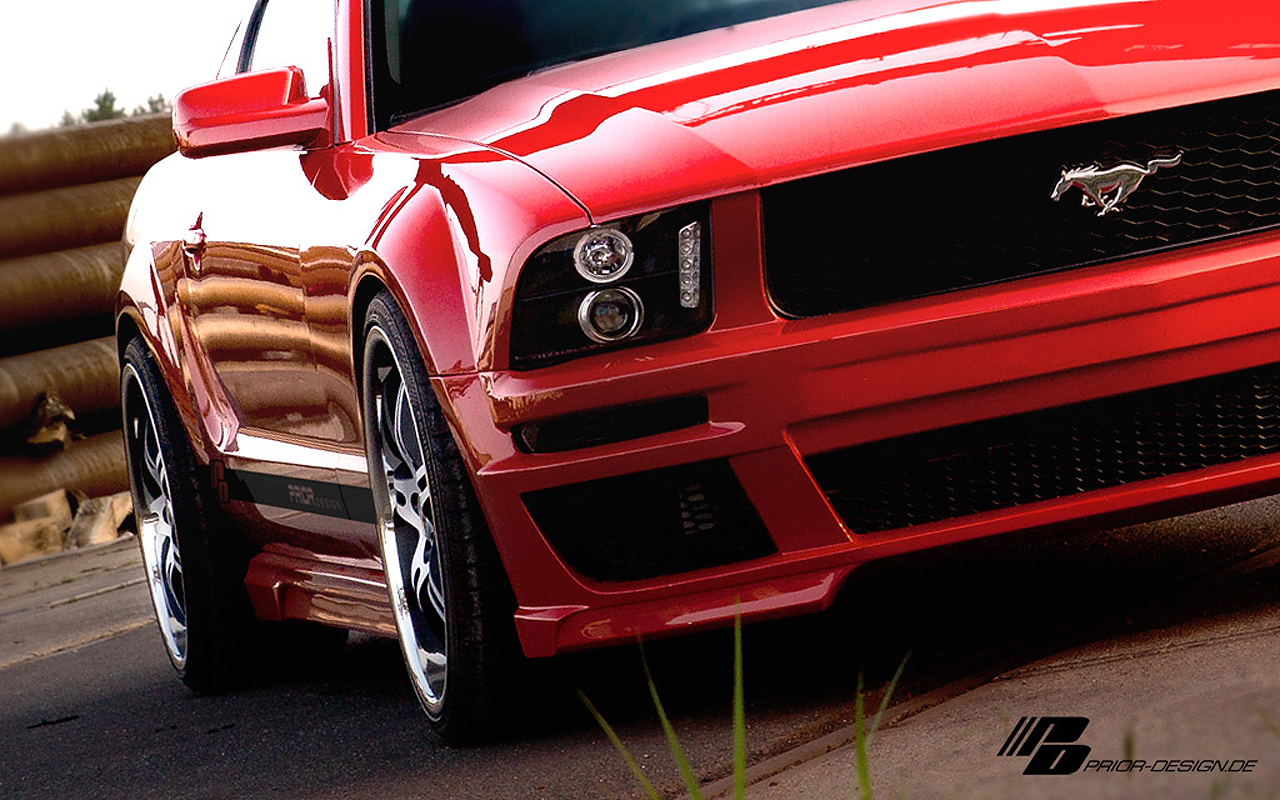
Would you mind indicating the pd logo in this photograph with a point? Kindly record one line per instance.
(1048, 740)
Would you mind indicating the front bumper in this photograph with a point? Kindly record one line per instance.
(780, 391)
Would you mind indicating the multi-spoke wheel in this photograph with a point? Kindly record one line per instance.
(408, 531)
(196, 579)
(153, 502)
(448, 593)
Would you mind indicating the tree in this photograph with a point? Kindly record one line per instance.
(104, 108)
(155, 105)
(17, 128)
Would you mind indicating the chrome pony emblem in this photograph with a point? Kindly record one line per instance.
(1106, 189)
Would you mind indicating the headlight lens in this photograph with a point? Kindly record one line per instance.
(611, 315)
(603, 255)
(632, 281)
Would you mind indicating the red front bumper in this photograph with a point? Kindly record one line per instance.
(781, 390)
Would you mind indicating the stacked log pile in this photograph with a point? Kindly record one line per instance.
(64, 197)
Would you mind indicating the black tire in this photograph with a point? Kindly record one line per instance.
(453, 604)
(195, 572)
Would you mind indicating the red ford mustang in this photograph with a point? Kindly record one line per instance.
(512, 327)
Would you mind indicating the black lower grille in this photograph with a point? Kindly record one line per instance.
(1053, 453)
(650, 524)
(982, 213)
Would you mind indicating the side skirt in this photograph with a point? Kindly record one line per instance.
(288, 583)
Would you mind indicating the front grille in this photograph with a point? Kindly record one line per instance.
(1053, 453)
(982, 213)
(649, 524)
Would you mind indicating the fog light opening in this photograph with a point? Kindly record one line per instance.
(611, 315)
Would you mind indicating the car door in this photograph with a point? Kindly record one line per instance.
(245, 297)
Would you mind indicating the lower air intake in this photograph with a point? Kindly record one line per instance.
(651, 524)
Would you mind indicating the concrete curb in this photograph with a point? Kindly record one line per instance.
(119, 542)
(1006, 666)
(83, 641)
(893, 715)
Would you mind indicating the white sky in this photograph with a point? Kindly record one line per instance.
(57, 55)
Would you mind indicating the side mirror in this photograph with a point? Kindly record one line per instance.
(252, 111)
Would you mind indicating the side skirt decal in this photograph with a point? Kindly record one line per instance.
(314, 497)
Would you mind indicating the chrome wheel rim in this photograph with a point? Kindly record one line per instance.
(153, 505)
(398, 476)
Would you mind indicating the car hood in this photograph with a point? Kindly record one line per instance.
(853, 83)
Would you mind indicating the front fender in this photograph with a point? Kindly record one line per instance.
(449, 247)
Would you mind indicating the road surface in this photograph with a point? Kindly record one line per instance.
(89, 706)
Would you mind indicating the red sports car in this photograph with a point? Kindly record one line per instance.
(512, 327)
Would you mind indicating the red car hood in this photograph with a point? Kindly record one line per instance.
(852, 83)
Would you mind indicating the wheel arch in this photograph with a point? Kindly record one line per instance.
(127, 329)
(367, 288)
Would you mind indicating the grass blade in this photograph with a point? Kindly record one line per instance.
(677, 752)
(862, 737)
(739, 715)
(884, 701)
(860, 748)
(617, 743)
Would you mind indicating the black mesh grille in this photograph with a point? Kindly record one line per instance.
(654, 523)
(982, 213)
(1054, 453)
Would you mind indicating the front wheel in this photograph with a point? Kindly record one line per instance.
(452, 604)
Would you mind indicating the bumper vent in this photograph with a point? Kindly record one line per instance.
(1001, 463)
(651, 524)
(982, 213)
(608, 426)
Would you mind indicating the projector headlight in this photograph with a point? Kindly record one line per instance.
(631, 281)
(603, 255)
(611, 315)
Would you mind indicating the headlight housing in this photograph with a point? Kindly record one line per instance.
(632, 281)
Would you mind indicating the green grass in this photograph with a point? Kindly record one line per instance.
(673, 741)
(860, 790)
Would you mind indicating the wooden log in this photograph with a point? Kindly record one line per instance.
(83, 153)
(57, 219)
(98, 520)
(22, 540)
(62, 287)
(94, 466)
(86, 377)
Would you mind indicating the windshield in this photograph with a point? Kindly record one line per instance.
(435, 52)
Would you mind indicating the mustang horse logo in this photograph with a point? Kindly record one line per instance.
(1106, 189)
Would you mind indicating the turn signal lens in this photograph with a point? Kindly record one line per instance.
(603, 255)
(611, 315)
(690, 254)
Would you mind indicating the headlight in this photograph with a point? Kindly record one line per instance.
(632, 281)
(603, 255)
(611, 315)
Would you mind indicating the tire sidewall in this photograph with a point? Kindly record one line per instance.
(384, 323)
(219, 615)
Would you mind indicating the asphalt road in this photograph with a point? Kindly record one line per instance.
(108, 719)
